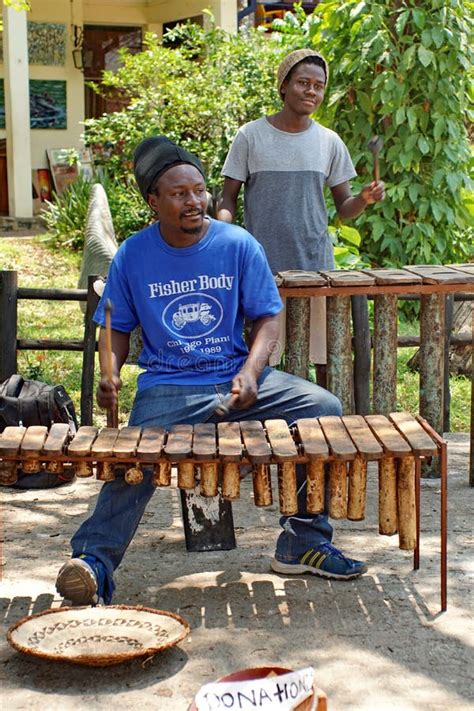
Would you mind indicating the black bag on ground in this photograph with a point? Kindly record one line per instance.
(30, 402)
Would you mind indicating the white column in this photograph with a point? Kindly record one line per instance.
(156, 28)
(17, 112)
(225, 14)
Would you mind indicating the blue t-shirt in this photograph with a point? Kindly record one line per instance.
(190, 302)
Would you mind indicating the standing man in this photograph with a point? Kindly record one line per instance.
(190, 281)
(284, 161)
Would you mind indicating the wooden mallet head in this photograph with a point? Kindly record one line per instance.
(375, 146)
(223, 408)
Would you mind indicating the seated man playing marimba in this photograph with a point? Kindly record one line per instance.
(190, 281)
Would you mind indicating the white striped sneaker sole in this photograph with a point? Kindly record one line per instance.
(298, 569)
(76, 582)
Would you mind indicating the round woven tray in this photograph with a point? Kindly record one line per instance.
(97, 636)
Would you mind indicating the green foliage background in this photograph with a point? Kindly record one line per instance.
(399, 68)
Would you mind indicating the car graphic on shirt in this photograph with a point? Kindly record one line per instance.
(190, 313)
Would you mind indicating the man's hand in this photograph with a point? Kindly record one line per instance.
(375, 192)
(245, 386)
(107, 392)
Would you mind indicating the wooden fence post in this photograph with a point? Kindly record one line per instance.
(8, 321)
(448, 326)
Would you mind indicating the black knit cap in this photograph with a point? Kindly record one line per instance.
(153, 156)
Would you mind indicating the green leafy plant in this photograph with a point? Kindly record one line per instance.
(346, 241)
(65, 218)
(197, 94)
(127, 207)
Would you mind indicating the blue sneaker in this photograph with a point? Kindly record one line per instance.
(80, 581)
(326, 561)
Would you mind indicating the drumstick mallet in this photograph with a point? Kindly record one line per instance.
(112, 412)
(375, 146)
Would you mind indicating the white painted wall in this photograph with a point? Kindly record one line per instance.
(224, 11)
(156, 12)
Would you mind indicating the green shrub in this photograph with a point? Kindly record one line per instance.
(65, 218)
(127, 207)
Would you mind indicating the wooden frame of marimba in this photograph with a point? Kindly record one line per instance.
(399, 443)
(348, 290)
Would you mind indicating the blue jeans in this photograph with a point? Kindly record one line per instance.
(119, 508)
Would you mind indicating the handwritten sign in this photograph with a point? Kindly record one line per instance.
(272, 693)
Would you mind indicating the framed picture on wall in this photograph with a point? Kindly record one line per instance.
(42, 188)
(48, 104)
(64, 167)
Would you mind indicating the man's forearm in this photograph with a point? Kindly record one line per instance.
(227, 205)
(120, 346)
(263, 341)
(352, 207)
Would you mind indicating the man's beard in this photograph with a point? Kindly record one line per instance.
(192, 230)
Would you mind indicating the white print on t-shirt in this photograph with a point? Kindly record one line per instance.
(193, 316)
(207, 345)
(203, 281)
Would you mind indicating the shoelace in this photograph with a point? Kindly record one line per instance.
(332, 550)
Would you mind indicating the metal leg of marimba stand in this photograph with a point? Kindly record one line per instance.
(443, 465)
(206, 529)
(416, 552)
(444, 523)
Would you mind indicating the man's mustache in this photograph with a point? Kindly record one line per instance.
(186, 213)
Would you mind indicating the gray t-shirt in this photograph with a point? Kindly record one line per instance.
(284, 175)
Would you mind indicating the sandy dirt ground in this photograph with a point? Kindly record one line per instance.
(376, 643)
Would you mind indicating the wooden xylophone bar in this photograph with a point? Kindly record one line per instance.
(346, 444)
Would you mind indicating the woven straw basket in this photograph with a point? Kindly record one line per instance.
(97, 636)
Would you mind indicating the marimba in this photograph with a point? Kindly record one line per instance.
(213, 454)
(347, 444)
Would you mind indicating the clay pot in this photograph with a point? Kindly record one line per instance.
(260, 673)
